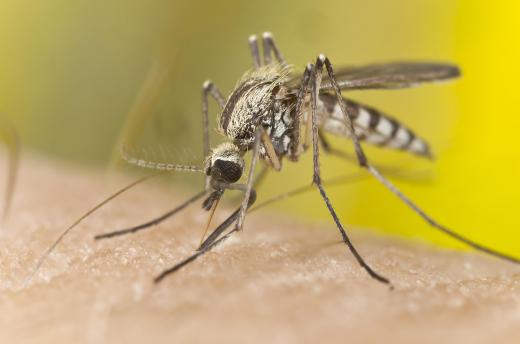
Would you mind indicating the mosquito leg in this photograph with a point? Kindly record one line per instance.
(211, 241)
(153, 222)
(253, 46)
(258, 181)
(220, 229)
(363, 162)
(269, 45)
(202, 250)
(315, 83)
(208, 88)
(249, 185)
(301, 97)
(327, 148)
(341, 180)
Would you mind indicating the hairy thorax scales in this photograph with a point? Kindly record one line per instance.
(260, 98)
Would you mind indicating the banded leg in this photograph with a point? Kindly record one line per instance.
(270, 47)
(315, 86)
(208, 88)
(363, 162)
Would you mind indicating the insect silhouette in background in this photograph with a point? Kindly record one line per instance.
(276, 115)
(9, 136)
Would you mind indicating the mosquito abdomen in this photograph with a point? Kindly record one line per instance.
(371, 126)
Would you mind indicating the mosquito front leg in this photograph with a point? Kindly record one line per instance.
(208, 88)
(153, 222)
(218, 232)
(363, 162)
(250, 179)
(215, 238)
(315, 86)
(295, 148)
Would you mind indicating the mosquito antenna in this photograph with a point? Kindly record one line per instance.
(152, 222)
(155, 165)
(88, 213)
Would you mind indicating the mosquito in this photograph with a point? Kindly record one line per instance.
(276, 115)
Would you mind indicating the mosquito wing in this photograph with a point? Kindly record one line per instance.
(388, 75)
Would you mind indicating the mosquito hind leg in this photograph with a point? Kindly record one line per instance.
(363, 162)
(255, 54)
(315, 83)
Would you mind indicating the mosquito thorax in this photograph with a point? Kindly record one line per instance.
(225, 163)
(252, 102)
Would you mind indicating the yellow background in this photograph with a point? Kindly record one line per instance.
(71, 71)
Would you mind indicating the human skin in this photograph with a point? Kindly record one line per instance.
(279, 281)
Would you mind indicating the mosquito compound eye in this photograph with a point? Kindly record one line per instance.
(230, 171)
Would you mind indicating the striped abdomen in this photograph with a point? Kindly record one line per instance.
(370, 125)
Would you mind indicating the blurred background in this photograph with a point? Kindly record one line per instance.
(78, 78)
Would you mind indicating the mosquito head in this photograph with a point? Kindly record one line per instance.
(225, 163)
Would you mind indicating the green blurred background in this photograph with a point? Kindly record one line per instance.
(77, 77)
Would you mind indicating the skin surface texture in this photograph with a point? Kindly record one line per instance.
(279, 281)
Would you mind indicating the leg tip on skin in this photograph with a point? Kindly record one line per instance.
(267, 35)
(322, 57)
(252, 38)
